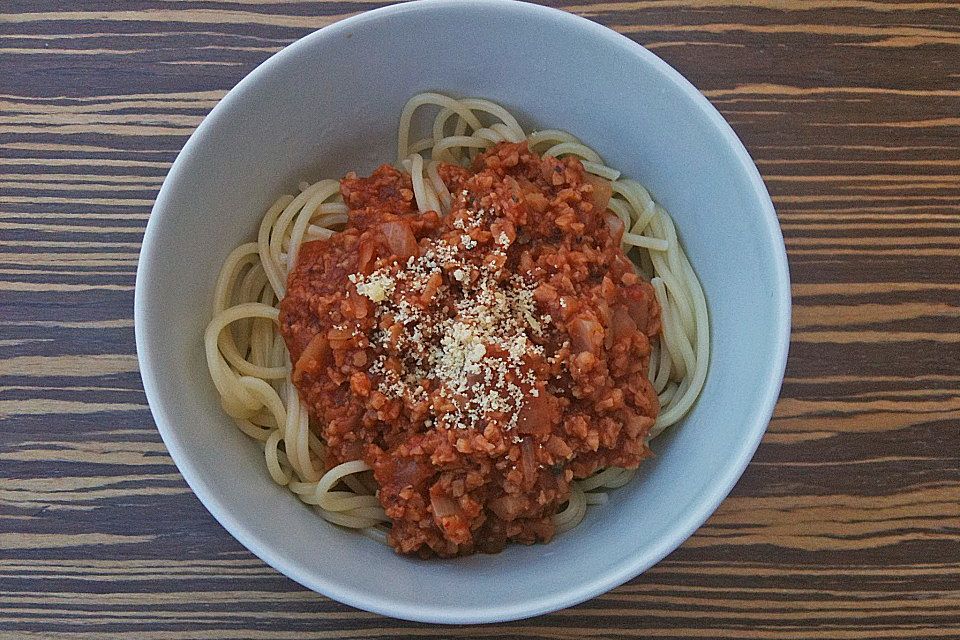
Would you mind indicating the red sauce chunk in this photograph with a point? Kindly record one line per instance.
(478, 361)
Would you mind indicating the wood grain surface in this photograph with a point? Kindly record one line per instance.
(846, 524)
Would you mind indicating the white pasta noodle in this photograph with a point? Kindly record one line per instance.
(250, 367)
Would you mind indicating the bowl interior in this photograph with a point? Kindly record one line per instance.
(330, 104)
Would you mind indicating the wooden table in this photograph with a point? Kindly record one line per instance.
(846, 524)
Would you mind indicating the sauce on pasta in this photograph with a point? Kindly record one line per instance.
(480, 361)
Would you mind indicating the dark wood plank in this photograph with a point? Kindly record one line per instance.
(847, 523)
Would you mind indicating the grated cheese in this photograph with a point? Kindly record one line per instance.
(478, 353)
(377, 287)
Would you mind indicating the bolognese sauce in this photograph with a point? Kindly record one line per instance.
(478, 361)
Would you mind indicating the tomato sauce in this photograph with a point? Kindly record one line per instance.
(478, 361)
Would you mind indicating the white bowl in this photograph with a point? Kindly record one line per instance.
(330, 103)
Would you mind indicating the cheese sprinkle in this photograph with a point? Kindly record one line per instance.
(477, 349)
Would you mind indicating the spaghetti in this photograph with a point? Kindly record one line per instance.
(250, 365)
